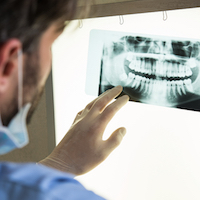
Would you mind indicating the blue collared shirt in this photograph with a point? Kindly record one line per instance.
(38, 182)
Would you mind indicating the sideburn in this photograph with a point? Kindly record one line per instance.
(32, 91)
(34, 104)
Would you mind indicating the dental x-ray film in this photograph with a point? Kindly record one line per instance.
(158, 70)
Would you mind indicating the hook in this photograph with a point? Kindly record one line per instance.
(121, 19)
(80, 23)
(165, 15)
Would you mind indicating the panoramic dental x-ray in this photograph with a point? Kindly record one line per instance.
(152, 69)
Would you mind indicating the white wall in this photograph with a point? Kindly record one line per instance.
(159, 157)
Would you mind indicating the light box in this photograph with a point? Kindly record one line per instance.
(159, 158)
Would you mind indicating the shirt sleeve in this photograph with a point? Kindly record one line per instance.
(37, 182)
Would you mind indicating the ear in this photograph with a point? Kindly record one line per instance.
(8, 62)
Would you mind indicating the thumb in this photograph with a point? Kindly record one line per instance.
(115, 139)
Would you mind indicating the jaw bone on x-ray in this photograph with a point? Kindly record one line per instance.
(153, 70)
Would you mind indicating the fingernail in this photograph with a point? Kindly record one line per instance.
(118, 87)
(125, 97)
(123, 131)
(128, 98)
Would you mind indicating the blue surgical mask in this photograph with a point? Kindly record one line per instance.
(15, 135)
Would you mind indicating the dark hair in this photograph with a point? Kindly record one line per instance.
(28, 19)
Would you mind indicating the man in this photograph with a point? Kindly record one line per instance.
(27, 31)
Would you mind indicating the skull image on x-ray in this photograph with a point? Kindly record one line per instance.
(152, 70)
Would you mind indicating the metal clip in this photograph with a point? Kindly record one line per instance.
(165, 15)
(121, 19)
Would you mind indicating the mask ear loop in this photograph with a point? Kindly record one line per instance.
(20, 79)
(20, 82)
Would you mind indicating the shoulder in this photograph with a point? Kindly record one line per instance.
(31, 181)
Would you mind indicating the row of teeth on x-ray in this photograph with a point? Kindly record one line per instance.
(155, 67)
(147, 85)
(160, 67)
(164, 69)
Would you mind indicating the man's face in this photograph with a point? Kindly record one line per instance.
(36, 67)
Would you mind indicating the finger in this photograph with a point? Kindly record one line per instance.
(112, 109)
(88, 107)
(85, 110)
(114, 140)
(102, 102)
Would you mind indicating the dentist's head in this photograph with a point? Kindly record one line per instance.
(27, 32)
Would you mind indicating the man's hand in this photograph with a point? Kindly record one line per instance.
(82, 148)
